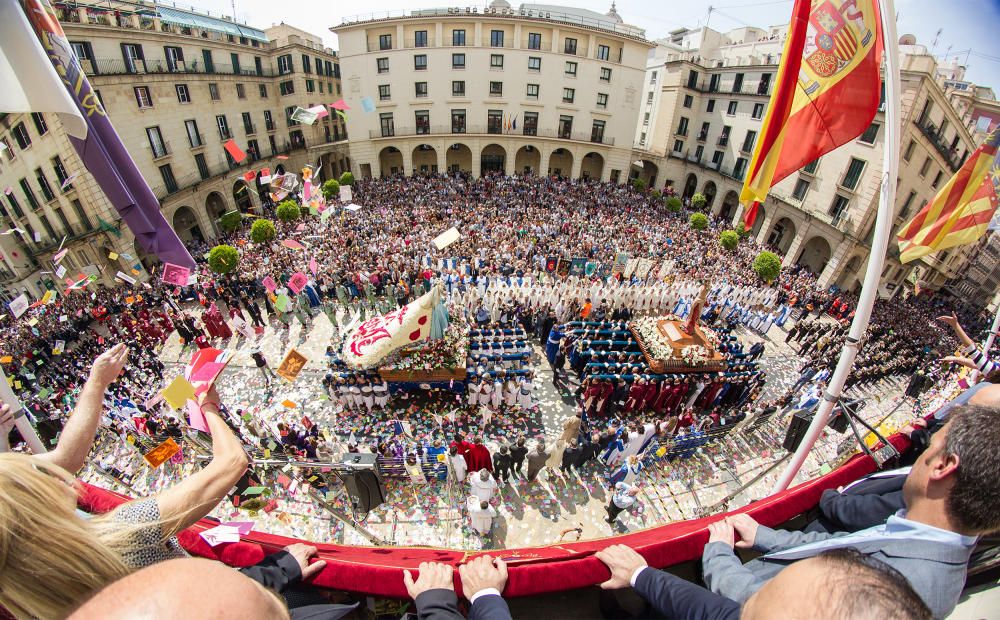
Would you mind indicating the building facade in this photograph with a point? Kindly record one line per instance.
(704, 100)
(176, 85)
(539, 89)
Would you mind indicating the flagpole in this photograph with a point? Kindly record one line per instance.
(876, 258)
(993, 333)
(21, 421)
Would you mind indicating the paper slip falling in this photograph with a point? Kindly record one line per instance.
(319, 110)
(244, 527)
(221, 534)
(303, 116)
(19, 305)
(292, 365)
(446, 238)
(178, 392)
(176, 274)
(161, 453)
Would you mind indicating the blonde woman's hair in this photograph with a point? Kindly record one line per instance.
(51, 559)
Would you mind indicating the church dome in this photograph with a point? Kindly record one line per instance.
(613, 14)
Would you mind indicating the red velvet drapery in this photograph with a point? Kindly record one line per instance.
(533, 570)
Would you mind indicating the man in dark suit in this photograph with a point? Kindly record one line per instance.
(570, 456)
(951, 497)
(517, 454)
(866, 503)
(434, 590)
(853, 586)
(503, 464)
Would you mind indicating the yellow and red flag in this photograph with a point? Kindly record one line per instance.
(827, 92)
(961, 212)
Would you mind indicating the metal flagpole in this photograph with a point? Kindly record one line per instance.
(880, 242)
(20, 419)
(993, 333)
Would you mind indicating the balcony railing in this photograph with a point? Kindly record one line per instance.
(579, 136)
(196, 141)
(931, 133)
(250, 128)
(751, 89)
(118, 66)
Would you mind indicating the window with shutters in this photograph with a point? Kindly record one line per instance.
(142, 97)
(853, 174)
(40, 125)
(43, 185)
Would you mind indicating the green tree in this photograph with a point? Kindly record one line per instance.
(639, 185)
(331, 189)
(698, 202)
(262, 231)
(673, 204)
(729, 239)
(288, 211)
(767, 266)
(741, 230)
(347, 179)
(231, 221)
(698, 221)
(656, 194)
(223, 259)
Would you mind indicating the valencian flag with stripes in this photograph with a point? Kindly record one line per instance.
(827, 92)
(961, 212)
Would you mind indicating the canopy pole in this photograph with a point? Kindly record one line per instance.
(993, 333)
(876, 259)
(21, 421)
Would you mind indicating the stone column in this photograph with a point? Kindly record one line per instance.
(834, 267)
(739, 215)
(717, 204)
(543, 162)
(441, 149)
(577, 166)
(477, 154)
(766, 226)
(407, 160)
(508, 161)
(796, 247)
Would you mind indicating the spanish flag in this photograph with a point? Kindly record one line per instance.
(827, 92)
(961, 212)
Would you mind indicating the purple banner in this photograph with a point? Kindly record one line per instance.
(102, 151)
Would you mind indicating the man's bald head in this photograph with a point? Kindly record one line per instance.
(183, 588)
(844, 584)
(988, 396)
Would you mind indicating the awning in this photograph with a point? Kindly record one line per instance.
(193, 20)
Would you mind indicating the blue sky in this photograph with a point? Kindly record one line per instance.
(965, 24)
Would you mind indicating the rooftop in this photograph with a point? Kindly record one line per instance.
(610, 22)
(170, 13)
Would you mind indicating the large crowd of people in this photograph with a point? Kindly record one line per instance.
(514, 312)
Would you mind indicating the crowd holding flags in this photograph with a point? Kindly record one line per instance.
(827, 91)
(961, 211)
